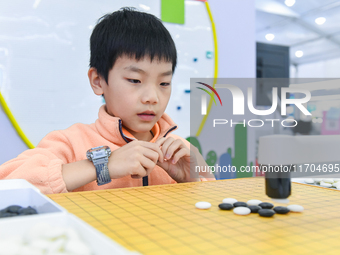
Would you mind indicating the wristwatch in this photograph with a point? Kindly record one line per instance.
(100, 157)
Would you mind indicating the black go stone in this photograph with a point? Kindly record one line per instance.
(281, 210)
(254, 208)
(225, 206)
(239, 204)
(266, 205)
(13, 208)
(27, 211)
(266, 212)
(16, 210)
(8, 214)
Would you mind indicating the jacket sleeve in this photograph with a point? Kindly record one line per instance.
(42, 165)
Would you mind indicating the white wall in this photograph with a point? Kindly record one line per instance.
(235, 24)
(323, 69)
(44, 61)
(329, 68)
(10, 143)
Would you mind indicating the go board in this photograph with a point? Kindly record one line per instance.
(163, 219)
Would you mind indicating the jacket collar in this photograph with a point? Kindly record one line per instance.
(111, 128)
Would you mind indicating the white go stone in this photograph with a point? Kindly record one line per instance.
(45, 239)
(336, 179)
(295, 208)
(325, 184)
(203, 205)
(11, 245)
(254, 202)
(336, 185)
(328, 180)
(229, 200)
(77, 247)
(242, 210)
(309, 181)
(317, 180)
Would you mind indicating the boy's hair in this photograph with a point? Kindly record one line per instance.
(131, 33)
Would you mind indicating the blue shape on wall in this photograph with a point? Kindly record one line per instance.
(225, 160)
(209, 54)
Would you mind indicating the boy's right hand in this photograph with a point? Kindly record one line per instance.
(137, 158)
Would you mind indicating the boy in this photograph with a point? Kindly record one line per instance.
(133, 58)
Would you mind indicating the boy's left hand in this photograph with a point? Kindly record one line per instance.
(177, 159)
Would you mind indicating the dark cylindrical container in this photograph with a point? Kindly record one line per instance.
(278, 184)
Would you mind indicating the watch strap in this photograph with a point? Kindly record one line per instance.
(102, 171)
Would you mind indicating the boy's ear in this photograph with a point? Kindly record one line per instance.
(97, 81)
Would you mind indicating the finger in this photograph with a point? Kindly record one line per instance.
(181, 153)
(139, 171)
(166, 145)
(154, 147)
(147, 164)
(160, 141)
(175, 145)
(173, 172)
(152, 155)
(165, 165)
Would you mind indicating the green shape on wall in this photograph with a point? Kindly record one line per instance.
(172, 11)
(194, 141)
(211, 158)
(241, 151)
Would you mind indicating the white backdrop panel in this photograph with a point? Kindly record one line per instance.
(44, 57)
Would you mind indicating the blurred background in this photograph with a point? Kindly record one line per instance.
(44, 56)
(307, 35)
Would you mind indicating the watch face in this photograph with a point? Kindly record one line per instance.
(98, 152)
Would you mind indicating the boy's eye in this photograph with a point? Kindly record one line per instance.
(134, 81)
(165, 84)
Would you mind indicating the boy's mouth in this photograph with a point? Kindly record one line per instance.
(147, 115)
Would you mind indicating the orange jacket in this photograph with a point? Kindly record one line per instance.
(42, 165)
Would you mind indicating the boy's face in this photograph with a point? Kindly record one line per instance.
(138, 93)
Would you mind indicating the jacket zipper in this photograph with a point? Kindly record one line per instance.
(169, 130)
(127, 141)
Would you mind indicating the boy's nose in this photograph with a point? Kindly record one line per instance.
(150, 97)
